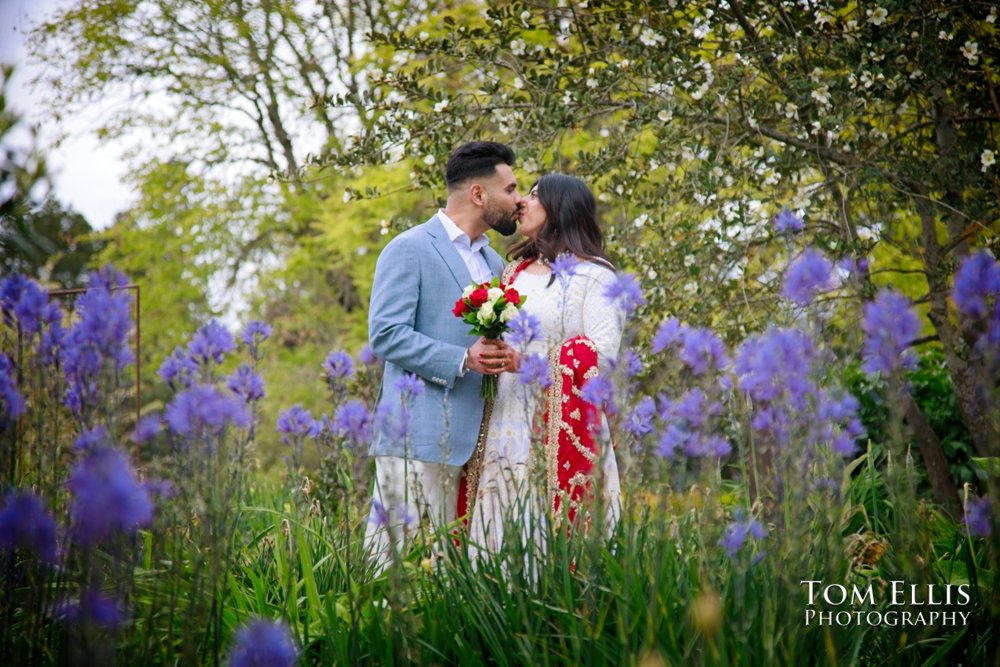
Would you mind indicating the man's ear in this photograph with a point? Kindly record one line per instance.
(477, 194)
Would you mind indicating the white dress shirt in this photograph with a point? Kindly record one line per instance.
(468, 250)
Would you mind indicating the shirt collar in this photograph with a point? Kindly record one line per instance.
(458, 236)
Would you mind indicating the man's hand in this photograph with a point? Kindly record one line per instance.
(492, 357)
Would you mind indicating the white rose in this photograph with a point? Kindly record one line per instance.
(509, 313)
(485, 314)
(494, 294)
(467, 292)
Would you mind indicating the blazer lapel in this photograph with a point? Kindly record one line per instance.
(444, 247)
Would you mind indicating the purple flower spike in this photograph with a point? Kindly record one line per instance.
(338, 366)
(810, 274)
(92, 607)
(30, 308)
(889, 325)
(524, 329)
(702, 350)
(177, 370)
(977, 279)
(12, 405)
(263, 643)
(979, 517)
(409, 386)
(148, 428)
(297, 422)
(534, 370)
(736, 534)
(639, 421)
(91, 439)
(205, 407)
(107, 498)
(255, 333)
(246, 384)
(787, 222)
(353, 421)
(625, 291)
(670, 331)
(564, 267)
(600, 392)
(211, 343)
(25, 523)
(366, 356)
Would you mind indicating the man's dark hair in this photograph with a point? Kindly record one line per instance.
(476, 158)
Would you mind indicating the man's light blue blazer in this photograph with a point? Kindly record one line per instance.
(418, 278)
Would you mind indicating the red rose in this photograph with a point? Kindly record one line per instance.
(460, 308)
(479, 297)
(512, 296)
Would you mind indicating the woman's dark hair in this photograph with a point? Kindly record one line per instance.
(570, 223)
(474, 159)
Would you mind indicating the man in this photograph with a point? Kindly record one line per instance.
(422, 441)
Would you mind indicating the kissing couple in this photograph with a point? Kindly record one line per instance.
(460, 457)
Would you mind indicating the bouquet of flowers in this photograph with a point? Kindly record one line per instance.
(488, 307)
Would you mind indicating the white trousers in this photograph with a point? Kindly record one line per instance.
(405, 492)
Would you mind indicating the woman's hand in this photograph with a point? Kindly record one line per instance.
(501, 357)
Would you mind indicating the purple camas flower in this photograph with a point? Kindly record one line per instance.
(976, 281)
(177, 370)
(787, 222)
(107, 498)
(210, 343)
(246, 384)
(534, 370)
(296, 423)
(777, 360)
(672, 438)
(205, 407)
(564, 267)
(10, 293)
(625, 291)
(29, 309)
(53, 334)
(409, 386)
(107, 278)
(148, 428)
(253, 335)
(93, 607)
(524, 329)
(91, 439)
(809, 274)
(25, 523)
(12, 405)
(393, 421)
(98, 340)
(630, 363)
(702, 350)
(774, 370)
(889, 325)
(263, 643)
(979, 517)
(737, 532)
(337, 368)
(600, 391)
(366, 356)
(353, 422)
(669, 332)
(380, 516)
(639, 421)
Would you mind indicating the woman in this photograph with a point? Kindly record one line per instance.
(543, 456)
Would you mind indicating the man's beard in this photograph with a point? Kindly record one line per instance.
(501, 221)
